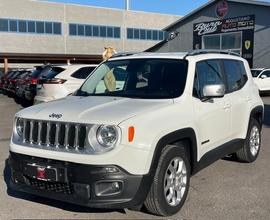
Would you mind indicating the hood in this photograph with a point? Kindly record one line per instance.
(92, 109)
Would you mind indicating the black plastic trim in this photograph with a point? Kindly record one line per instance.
(218, 153)
(83, 179)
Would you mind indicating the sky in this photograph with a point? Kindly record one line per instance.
(177, 7)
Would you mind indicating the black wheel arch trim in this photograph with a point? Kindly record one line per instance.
(256, 112)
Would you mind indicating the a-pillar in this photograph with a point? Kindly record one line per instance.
(6, 65)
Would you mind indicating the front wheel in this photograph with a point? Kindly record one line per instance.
(250, 151)
(171, 182)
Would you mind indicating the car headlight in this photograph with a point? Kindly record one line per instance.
(107, 136)
(19, 127)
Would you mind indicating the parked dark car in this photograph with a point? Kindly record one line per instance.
(5, 81)
(13, 80)
(31, 84)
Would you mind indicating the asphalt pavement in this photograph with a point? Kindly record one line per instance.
(225, 190)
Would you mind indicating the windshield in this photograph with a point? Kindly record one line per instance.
(137, 78)
(256, 73)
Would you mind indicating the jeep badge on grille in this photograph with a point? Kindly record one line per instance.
(57, 116)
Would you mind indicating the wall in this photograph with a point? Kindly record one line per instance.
(68, 13)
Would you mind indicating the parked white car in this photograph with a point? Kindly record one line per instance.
(261, 78)
(138, 141)
(64, 83)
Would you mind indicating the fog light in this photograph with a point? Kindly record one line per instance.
(108, 188)
(115, 186)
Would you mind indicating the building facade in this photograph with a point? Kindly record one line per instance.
(242, 26)
(38, 31)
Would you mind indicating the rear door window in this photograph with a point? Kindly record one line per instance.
(51, 72)
(208, 72)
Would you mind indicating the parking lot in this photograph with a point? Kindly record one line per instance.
(225, 190)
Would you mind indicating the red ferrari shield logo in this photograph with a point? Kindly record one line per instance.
(41, 173)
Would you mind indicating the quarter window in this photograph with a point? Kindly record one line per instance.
(235, 74)
(266, 73)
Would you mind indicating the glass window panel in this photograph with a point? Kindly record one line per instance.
(96, 31)
(116, 32)
(48, 28)
(102, 31)
(211, 42)
(57, 28)
(22, 26)
(31, 26)
(233, 73)
(80, 30)
(109, 32)
(231, 41)
(40, 27)
(142, 34)
(88, 30)
(130, 33)
(149, 35)
(208, 73)
(3, 25)
(161, 35)
(13, 25)
(155, 35)
(72, 29)
(136, 34)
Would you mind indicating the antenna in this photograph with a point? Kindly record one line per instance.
(127, 5)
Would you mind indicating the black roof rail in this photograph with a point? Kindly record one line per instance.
(124, 54)
(206, 51)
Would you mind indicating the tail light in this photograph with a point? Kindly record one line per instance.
(54, 81)
(31, 81)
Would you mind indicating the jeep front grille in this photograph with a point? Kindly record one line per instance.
(55, 135)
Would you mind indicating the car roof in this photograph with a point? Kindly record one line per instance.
(176, 55)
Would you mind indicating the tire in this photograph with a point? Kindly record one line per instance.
(156, 201)
(250, 151)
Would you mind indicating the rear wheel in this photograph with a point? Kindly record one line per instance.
(171, 182)
(250, 151)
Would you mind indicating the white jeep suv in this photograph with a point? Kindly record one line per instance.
(136, 131)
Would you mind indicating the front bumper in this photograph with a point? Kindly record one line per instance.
(83, 183)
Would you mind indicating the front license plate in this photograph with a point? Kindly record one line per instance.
(45, 173)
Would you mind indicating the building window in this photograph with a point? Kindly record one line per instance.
(109, 32)
(48, 28)
(57, 28)
(228, 41)
(130, 33)
(13, 25)
(81, 30)
(116, 32)
(145, 34)
(40, 27)
(3, 25)
(88, 30)
(72, 29)
(31, 26)
(24, 26)
(94, 31)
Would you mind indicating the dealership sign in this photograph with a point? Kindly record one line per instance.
(244, 24)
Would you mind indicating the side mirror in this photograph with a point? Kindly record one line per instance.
(263, 76)
(213, 91)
